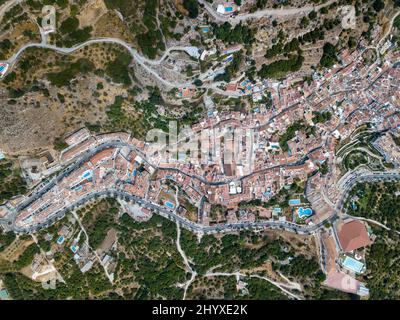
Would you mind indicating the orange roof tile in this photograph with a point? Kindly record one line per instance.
(353, 235)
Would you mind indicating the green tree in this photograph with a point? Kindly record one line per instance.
(378, 5)
(329, 57)
(192, 7)
(69, 25)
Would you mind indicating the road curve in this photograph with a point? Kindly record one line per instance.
(135, 55)
(7, 6)
(142, 61)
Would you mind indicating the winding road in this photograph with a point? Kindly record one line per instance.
(180, 221)
(145, 62)
(135, 55)
(7, 6)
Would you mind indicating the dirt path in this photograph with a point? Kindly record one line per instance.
(110, 278)
(282, 286)
(185, 261)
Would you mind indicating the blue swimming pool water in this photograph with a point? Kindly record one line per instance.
(60, 240)
(294, 202)
(1, 68)
(4, 294)
(304, 212)
(169, 204)
(87, 174)
(228, 9)
(353, 264)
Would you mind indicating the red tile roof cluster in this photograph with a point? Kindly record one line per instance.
(353, 235)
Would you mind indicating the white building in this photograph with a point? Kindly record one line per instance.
(227, 8)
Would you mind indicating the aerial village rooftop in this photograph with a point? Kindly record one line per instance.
(261, 167)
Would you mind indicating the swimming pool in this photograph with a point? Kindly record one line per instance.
(301, 212)
(294, 202)
(276, 211)
(229, 59)
(169, 204)
(3, 69)
(87, 173)
(4, 294)
(353, 265)
(60, 240)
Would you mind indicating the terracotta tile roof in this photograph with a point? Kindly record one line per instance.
(353, 235)
(107, 153)
(231, 87)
